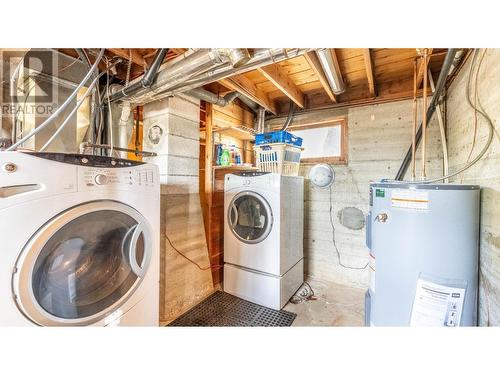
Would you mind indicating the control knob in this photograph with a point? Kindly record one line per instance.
(101, 179)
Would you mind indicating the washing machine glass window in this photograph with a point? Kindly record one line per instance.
(250, 217)
(87, 263)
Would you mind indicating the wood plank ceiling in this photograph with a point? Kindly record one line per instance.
(371, 76)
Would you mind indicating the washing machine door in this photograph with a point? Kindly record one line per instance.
(83, 264)
(250, 217)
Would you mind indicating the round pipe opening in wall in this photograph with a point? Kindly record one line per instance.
(250, 217)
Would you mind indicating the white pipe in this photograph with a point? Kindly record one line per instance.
(441, 130)
(61, 108)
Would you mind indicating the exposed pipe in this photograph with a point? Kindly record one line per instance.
(85, 145)
(331, 70)
(200, 68)
(290, 116)
(210, 97)
(442, 131)
(414, 128)
(445, 70)
(147, 79)
(189, 64)
(424, 117)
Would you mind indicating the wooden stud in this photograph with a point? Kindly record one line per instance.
(421, 69)
(246, 87)
(313, 61)
(282, 81)
(369, 71)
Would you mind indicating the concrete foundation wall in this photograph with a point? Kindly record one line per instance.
(486, 173)
(378, 138)
(171, 129)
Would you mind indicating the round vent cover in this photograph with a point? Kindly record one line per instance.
(322, 175)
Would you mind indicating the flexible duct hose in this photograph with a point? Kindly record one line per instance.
(61, 108)
(289, 117)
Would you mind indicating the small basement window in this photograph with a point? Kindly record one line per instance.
(323, 142)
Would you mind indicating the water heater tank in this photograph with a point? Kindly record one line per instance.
(423, 242)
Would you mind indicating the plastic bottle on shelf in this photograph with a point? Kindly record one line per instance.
(225, 158)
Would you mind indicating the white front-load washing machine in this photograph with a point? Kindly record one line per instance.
(263, 237)
(79, 240)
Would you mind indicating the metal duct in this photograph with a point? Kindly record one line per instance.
(203, 66)
(445, 71)
(331, 70)
(147, 79)
(214, 98)
(188, 65)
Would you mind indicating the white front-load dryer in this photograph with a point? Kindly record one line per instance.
(263, 236)
(79, 240)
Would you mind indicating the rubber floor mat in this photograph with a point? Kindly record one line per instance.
(225, 310)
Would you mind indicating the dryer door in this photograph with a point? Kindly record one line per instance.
(83, 264)
(250, 217)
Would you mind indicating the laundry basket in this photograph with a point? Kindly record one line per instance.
(279, 158)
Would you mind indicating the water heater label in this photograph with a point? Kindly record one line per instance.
(411, 199)
(437, 305)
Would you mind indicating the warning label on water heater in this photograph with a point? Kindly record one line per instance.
(411, 199)
(437, 305)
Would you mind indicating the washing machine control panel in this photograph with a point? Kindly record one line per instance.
(121, 178)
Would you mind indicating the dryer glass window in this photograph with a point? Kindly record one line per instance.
(250, 217)
(86, 267)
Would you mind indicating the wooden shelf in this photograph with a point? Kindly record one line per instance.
(236, 133)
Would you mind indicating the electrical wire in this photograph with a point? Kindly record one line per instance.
(190, 260)
(110, 115)
(485, 115)
(339, 257)
(474, 135)
(61, 108)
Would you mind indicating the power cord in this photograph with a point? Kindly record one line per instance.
(335, 242)
(190, 260)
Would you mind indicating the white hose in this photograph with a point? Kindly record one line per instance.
(61, 108)
(78, 105)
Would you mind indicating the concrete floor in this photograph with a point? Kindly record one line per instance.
(336, 305)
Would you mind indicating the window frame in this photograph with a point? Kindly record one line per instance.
(339, 121)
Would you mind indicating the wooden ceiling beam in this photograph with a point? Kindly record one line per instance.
(128, 53)
(421, 68)
(246, 87)
(313, 62)
(282, 82)
(369, 72)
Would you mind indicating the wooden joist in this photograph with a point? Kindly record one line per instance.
(421, 68)
(313, 61)
(369, 71)
(246, 87)
(282, 81)
(136, 57)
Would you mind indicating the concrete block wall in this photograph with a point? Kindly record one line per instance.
(182, 284)
(378, 138)
(178, 121)
(486, 173)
